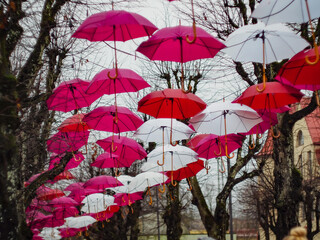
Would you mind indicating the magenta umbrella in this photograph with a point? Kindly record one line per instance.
(213, 146)
(46, 221)
(63, 142)
(125, 147)
(70, 95)
(63, 202)
(105, 119)
(102, 182)
(65, 212)
(126, 81)
(79, 194)
(265, 125)
(107, 160)
(170, 44)
(73, 163)
(124, 199)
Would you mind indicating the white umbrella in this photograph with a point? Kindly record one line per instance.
(223, 118)
(125, 179)
(79, 222)
(158, 130)
(97, 202)
(263, 44)
(290, 11)
(50, 233)
(144, 181)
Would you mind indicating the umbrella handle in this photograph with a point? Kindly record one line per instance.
(113, 148)
(187, 91)
(227, 155)
(219, 145)
(316, 51)
(207, 167)
(273, 135)
(163, 189)
(264, 79)
(171, 142)
(131, 209)
(224, 167)
(150, 200)
(115, 76)
(194, 33)
(174, 183)
(161, 164)
(251, 146)
(116, 172)
(189, 183)
(264, 83)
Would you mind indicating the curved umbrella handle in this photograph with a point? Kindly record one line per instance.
(163, 189)
(190, 186)
(264, 83)
(117, 173)
(224, 167)
(113, 148)
(115, 76)
(316, 51)
(161, 164)
(227, 155)
(150, 200)
(273, 135)
(173, 182)
(187, 91)
(219, 145)
(206, 166)
(264, 79)
(194, 34)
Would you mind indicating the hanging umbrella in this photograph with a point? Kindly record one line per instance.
(63, 202)
(124, 199)
(45, 193)
(276, 42)
(277, 95)
(125, 147)
(299, 74)
(97, 202)
(158, 130)
(70, 95)
(50, 233)
(107, 160)
(65, 175)
(224, 118)
(170, 44)
(294, 11)
(126, 81)
(74, 124)
(62, 142)
(79, 222)
(103, 119)
(65, 212)
(213, 146)
(102, 182)
(73, 162)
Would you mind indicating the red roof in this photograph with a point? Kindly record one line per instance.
(313, 123)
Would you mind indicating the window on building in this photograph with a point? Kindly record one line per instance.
(300, 139)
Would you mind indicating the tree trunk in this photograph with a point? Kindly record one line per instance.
(172, 215)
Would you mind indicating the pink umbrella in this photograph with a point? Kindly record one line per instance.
(170, 44)
(47, 221)
(65, 212)
(107, 160)
(102, 182)
(63, 202)
(74, 124)
(125, 147)
(45, 193)
(37, 204)
(126, 81)
(124, 199)
(31, 179)
(70, 95)
(79, 194)
(265, 125)
(63, 142)
(65, 175)
(212, 146)
(105, 119)
(73, 163)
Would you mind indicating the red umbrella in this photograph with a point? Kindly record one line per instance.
(103, 119)
(65, 175)
(189, 171)
(299, 73)
(170, 44)
(193, 142)
(107, 160)
(102, 182)
(124, 199)
(171, 103)
(125, 147)
(74, 124)
(275, 96)
(45, 193)
(70, 95)
(73, 163)
(63, 142)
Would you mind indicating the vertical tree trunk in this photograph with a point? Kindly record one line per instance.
(172, 215)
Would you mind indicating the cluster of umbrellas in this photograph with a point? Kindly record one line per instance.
(213, 131)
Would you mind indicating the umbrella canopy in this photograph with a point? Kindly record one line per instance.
(114, 26)
(298, 73)
(62, 142)
(63, 202)
(212, 146)
(239, 119)
(107, 160)
(79, 222)
(44, 193)
(126, 81)
(275, 96)
(145, 180)
(266, 123)
(188, 171)
(74, 124)
(273, 11)
(97, 202)
(73, 163)
(158, 130)
(124, 199)
(50, 233)
(65, 212)
(103, 119)
(169, 44)
(125, 147)
(278, 41)
(102, 182)
(70, 95)
(171, 103)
